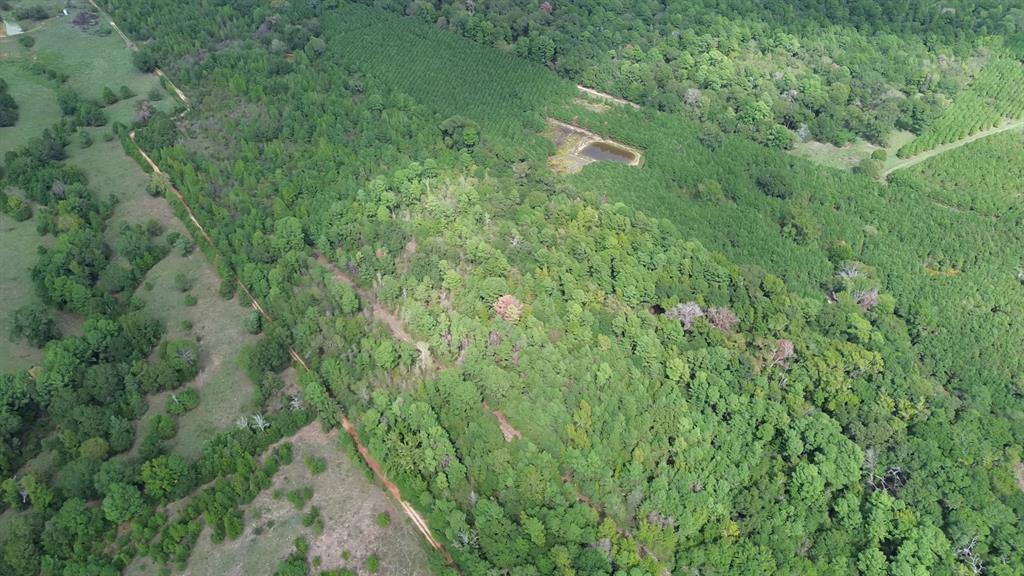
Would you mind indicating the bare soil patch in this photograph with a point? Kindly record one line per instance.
(507, 429)
(86, 20)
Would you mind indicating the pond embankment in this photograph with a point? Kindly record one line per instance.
(578, 147)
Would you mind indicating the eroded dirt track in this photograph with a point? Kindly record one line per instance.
(914, 160)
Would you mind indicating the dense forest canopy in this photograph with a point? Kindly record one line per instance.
(777, 71)
(726, 361)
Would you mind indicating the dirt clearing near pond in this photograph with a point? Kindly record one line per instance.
(578, 147)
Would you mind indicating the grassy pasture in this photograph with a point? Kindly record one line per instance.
(848, 156)
(349, 505)
(37, 104)
(37, 110)
(76, 52)
(225, 390)
(18, 252)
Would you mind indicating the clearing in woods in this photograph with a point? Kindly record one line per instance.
(573, 146)
(349, 505)
(225, 390)
(849, 155)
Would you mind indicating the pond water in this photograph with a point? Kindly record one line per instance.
(609, 152)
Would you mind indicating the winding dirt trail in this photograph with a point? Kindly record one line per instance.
(382, 314)
(914, 160)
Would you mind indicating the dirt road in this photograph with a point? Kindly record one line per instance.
(908, 162)
(606, 96)
(131, 46)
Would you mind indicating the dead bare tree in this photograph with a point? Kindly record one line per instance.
(259, 422)
(784, 350)
(685, 312)
(723, 319)
(967, 556)
(889, 481)
(866, 299)
(849, 271)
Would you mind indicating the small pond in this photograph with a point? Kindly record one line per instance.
(609, 152)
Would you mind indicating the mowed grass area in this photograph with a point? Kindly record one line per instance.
(18, 248)
(18, 253)
(37, 104)
(349, 505)
(72, 50)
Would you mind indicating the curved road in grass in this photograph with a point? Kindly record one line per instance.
(913, 160)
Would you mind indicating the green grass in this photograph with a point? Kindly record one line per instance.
(37, 104)
(52, 6)
(349, 505)
(37, 110)
(94, 61)
(848, 156)
(18, 252)
(225, 390)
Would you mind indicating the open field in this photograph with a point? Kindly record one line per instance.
(848, 156)
(69, 49)
(37, 104)
(349, 505)
(18, 252)
(225, 391)
(37, 109)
